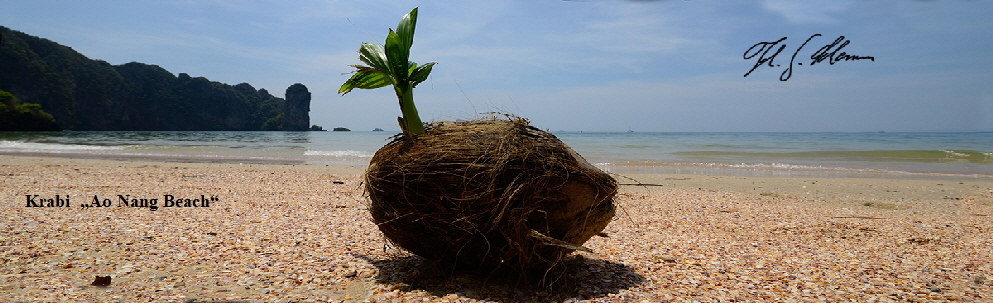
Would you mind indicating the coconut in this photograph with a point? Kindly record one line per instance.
(488, 196)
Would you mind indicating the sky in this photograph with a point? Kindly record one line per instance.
(664, 66)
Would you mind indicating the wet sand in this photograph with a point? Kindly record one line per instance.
(274, 233)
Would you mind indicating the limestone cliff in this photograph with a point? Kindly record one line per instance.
(85, 94)
(297, 108)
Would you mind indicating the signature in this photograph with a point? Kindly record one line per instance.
(831, 53)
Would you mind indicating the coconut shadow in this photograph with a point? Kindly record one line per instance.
(583, 279)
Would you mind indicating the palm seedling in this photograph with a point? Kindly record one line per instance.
(486, 196)
(390, 65)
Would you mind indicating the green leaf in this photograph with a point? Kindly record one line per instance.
(419, 73)
(397, 57)
(398, 45)
(374, 55)
(405, 29)
(366, 79)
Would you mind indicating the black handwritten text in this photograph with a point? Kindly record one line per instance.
(767, 52)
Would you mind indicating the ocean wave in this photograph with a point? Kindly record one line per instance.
(339, 153)
(55, 147)
(785, 166)
(954, 154)
(921, 156)
(762, 166)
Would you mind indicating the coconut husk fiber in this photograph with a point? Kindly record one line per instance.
(488, 196)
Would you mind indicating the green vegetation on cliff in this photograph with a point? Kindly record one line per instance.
(85, 94)
(17, 116)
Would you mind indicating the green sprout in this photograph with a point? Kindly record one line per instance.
(392, 67)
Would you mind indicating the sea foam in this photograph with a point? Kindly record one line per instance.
(339, 153)
(19, 146)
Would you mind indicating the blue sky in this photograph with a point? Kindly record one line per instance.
(572, 65)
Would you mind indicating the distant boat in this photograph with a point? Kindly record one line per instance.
(377, 129)
(341, 129)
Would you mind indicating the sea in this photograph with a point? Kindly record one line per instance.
(910, 155)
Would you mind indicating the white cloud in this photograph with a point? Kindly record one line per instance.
(631, 28)
(805, 11)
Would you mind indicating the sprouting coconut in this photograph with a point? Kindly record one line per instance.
(485, 196)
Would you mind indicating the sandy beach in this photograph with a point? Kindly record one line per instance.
(301, 233)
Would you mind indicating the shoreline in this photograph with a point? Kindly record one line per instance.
(619, 169)
(812, 172)
(879, 186)
(801, 187)
(157, 162)
(302, 233)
